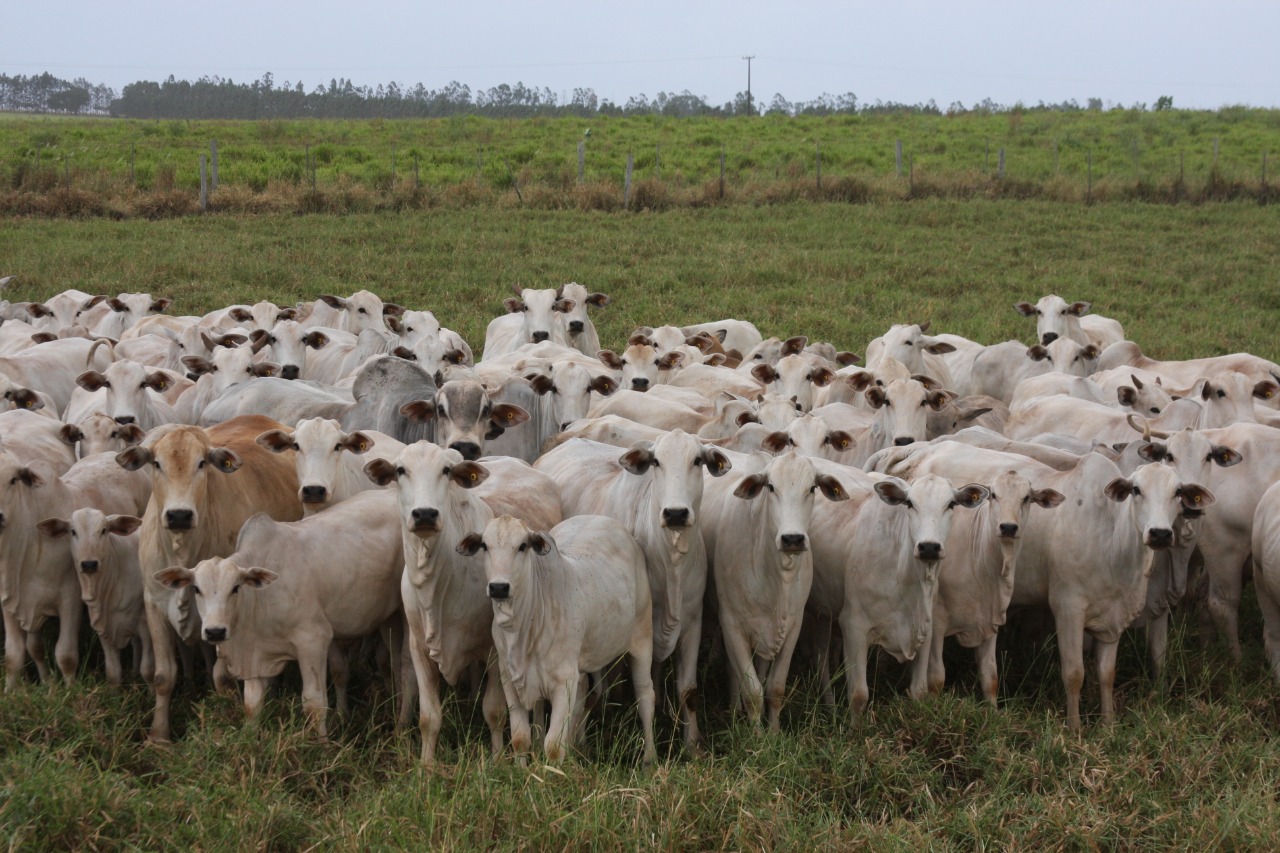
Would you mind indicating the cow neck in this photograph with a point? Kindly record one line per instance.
(666, 574)
(536, 620)
(114, 585)
(776, 588)
(980, 537)
(913, 582)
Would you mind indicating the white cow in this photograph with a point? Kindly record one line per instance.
(533, 316)
(1056, 319)
(1266, 572)
(565, 603)
(330, 461)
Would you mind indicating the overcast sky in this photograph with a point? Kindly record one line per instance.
(1203, 54)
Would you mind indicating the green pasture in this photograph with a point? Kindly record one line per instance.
(1192, 763)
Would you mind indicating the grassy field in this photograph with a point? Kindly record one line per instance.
(362, 165)
(1192, 763)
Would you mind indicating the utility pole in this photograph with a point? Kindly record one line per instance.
(748, 59)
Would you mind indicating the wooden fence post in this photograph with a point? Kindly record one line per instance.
(213, 161)
(204, 187)
(626, 184)
(898, 156)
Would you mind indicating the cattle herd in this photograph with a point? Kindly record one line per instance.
(267, 484)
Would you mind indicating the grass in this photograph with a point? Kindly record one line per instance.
(118, 167)
(1192, 763)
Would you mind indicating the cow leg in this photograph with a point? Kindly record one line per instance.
(920, 664)
(1270, 607)
(855, 675)
(315, 690)
(578, 722)
(1106, 657)
(36, 651)
(1224, 563)
(67, 649)
(15, 651)
(255, 696)
(402, 673)
(777, 683)
(518, 714)
(494, 705)
(340, 671)
(641, 654)
(563, 697)
(146, 658)
(742, 665)
(163, 642)
(687, 681)
(1158, 644)
(223, 682)
(111, 657)
(985, 654)
(430, 716)
(1070, 626)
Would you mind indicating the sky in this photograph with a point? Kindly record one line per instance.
(1202, 54)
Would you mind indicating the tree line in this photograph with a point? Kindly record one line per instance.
(219, 98)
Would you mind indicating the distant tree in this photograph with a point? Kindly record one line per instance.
(69, 100)
(780, 106)
(1164, 102)
(1094, 104)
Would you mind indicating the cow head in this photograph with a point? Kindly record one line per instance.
(928, 502)
(426, 476)
(320, 445)
(218, 584)
(787, 485)
(465, 415)
(180, 461)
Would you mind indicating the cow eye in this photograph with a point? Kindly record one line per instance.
(813, 488)
(951, 505)
(769, 486)
(235, 589)
(75, 535)
(523, 545)
(142, 385)
(758, 356)
(1155, 410)
(1221, 394)
(201, 465)
(1137, 491)
(908, 504)
(400, 471)
(196, 590)
(337, 447)
(362, 311)
(156, 462)
(697, 462)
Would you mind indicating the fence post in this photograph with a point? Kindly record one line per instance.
(626, 184)
(213, 160)
(133, 173)
(582, 159)
(204, 187)
(1000, 167)
(721, 171)
(898, 156)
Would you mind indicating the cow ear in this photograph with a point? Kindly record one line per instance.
(937, 400)
(859, 381)
(1090, 353)
(924, 327)
(603, 385)
(25, 398)
(876, 397)
(116, 305)
(1224, 456)
(939, 347)
(315, 340)
(130, 433)
(929, 383)
(158, 306)
(224, 460)
(639, 459)
(513, 305)
(454, 356)
(776, 442)
(972, 414)
(610, 359)
(259, 338)
(598, 300)
(392, 309)
(286, 312)
(333, 301)
(1265, 390)
(1046, 498)
(276, 440)
(1127, 395)
(394, 324)
(747, 418)
(1153, 451)
(356, 442)
(419, 411)
(258, 577)
(470, 544)
(702, 341)
(830, 488)
(92, 301)
(715, 359)
(540, 383)
(1037, 353)
(29, 477)
(1195, 497)
(839, 439)
(70, 434)
(1206, 390)
(640, 337)
(845, 358)
(264, 368)
(54, 528)
(36, 310)
(564, 306)
(507, 415)
(822, 376)
(540, 543)
(468, 475)
(133, 458)
(1137, 383)
(1026, 309)
(381, 471)
(795, 345)
(764, 374)
(1118, 489)
(43, 337)
(971, 496)
(1079, 308)
(91, 380)
(123, 525)
(158, 381)
(716, 462)
(198, 364)
(671, 360)
(751, 486)
(891, 492)
(241, 314)
(405, 353)
(175, 577)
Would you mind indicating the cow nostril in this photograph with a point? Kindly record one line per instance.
(539, 337)
(314, 494)
(1008, 531)
(290, 371)
(675, 517)
(179, 519)
(904, 441)
(469, 449)
(126, 420)
(425, 518)
(639, 384)
(576, 327)
(1048, 338)
(929, 550)
(793, 541)
(88, 566)
(1160, 537)
(499, 591)
(215, 635)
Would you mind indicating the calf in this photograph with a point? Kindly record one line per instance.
(1056, 319)
(330, 462)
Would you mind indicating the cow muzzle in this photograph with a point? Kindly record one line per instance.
(1159, 538)
(314, 494)
(539, 337)
(179, 519)
(793, 543)
(929, 551)
(675, 517)
(576, 327)
(499, 591)
(88, 566)
(125, 420)
(903, 441)
(639, 384)
(1008, 531)
(469, 449)
(215, 635)
(1048, 338)
(425, 521)
(290, 371)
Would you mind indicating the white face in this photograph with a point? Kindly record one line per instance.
(797, 377)
(1227, 399)
(544, 318)
(576, 321)
(508, 548)
(1068, 356)
(89, 535)
(641, 365)
(100, 433)
(320, 444)
(903, 414)
(1157, 497)
(776, 412)
(220, 587)
(571, 391)
(127, 386)
(906, 343)
(811, 436)
(425, 475)
(415, 325)
(1055, 318)
(288, 345)
(676, 463)
(929, 502)
(787, 486)
(364, 311)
